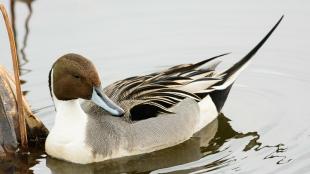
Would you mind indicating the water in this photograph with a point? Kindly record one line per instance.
(266, 124)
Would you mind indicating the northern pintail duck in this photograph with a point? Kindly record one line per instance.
(136, 115)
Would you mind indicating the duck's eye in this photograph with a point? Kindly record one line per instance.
(76, 76)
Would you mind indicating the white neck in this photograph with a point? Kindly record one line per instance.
(68, 110)
(70, 120)
(65, 106)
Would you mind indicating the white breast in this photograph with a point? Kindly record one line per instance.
(66, 139)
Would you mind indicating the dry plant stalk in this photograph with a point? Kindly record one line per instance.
(21, 116)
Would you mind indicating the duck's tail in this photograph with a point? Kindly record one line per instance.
(230, 75)
(211, 105)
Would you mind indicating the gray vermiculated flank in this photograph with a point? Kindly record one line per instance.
(106, 134)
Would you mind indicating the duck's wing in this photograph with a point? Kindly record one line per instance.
(145, 96)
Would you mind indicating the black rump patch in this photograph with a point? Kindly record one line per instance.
(219, 97)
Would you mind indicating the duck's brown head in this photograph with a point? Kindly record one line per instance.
(73, 76)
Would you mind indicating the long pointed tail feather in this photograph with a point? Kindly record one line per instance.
(232, 73)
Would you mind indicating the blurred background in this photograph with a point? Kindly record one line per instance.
(267, 108)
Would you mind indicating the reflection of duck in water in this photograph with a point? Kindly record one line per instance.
(137, 115)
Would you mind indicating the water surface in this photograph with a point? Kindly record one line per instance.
(266, 124)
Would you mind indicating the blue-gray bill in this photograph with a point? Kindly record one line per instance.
(100, 99)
